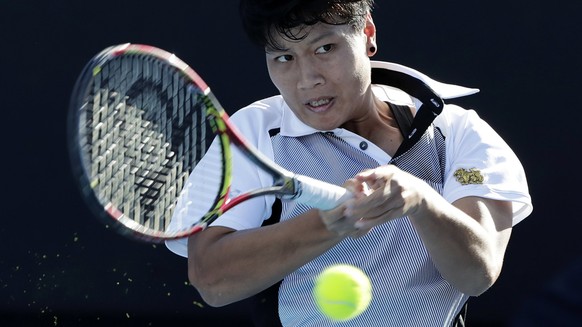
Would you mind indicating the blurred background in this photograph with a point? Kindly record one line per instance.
(61, 267)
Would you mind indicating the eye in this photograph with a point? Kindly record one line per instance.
(284, 58)
(324, 49)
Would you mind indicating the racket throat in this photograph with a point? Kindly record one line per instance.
(286, 187)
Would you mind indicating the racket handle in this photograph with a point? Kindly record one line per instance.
(319, 194)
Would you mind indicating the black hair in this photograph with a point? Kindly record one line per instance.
(263, 20)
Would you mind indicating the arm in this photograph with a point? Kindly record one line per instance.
(227, 265)
(466, 240)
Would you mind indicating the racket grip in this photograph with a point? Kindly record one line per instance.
(319, 194)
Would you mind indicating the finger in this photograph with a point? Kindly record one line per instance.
(368, 173)
(357, 188)
(368, 223)
(373, 205)
(372, 182)
(329, 217)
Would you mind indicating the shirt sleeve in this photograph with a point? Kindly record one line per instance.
(245, 177)
(481, 163)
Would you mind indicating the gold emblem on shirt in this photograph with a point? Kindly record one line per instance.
(471, 176)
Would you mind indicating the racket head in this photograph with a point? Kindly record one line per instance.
(140, 120)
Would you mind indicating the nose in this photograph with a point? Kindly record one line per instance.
(309, 75)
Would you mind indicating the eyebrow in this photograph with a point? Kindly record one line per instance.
(310, 42)
(322, 36)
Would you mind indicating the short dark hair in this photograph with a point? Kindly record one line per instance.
(263, 20)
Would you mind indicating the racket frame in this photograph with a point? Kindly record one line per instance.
(285, 183)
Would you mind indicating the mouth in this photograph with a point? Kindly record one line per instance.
(319, 104)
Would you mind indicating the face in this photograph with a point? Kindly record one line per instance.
(325, 77)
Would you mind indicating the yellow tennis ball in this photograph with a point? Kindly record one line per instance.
(342, 292)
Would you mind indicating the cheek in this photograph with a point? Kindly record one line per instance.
(356, 64)
(363, 71)
(356, 79)
(279, 84)
(277, 76)
(270, 71)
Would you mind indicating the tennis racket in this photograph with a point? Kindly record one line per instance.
(140, 121)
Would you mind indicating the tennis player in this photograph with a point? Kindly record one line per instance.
(430, 226)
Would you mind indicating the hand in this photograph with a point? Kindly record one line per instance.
(335, 220)
(383, 194)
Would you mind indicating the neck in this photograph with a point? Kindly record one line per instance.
(379, 126)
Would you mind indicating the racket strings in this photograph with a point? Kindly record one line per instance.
(147, 131)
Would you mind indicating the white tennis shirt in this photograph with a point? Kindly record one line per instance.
(407, 288)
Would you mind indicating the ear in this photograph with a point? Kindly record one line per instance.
(370, 31)
(370, 28)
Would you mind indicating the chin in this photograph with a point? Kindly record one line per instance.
(325, 127)
(322, 122)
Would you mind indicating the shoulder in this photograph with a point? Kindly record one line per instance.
(260, 116)
(455, 119)
(261, 111)
(391, 94)
(465, 125)
(474, 147)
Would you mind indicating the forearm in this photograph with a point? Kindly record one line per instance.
(467, 240)
(229, 267)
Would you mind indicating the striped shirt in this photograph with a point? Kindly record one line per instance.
(407, 288)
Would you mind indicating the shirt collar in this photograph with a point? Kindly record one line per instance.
(292, 126)
(445, 91)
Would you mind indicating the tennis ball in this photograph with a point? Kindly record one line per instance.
(342, 292)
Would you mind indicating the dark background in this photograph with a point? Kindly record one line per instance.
(60, 267)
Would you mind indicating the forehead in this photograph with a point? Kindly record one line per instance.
(307, 34)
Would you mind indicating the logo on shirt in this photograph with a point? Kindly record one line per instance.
(471, 176)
